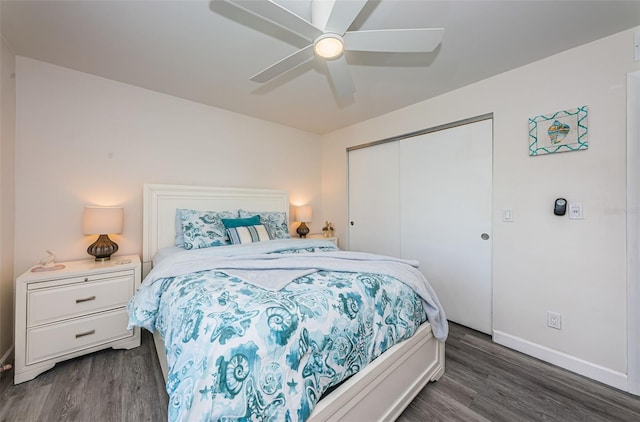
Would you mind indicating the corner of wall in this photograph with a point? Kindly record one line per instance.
(7, 197)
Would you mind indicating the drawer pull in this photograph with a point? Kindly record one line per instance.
(88, 333)
(86, 279)
(87, 299)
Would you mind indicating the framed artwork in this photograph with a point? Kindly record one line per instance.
(561, 131)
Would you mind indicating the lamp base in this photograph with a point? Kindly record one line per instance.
(302, 230)
(103, 248)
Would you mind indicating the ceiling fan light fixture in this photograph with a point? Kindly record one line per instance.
(328, 46)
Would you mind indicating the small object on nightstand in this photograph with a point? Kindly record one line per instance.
(49, 260)
(326, 230)
(47, 264)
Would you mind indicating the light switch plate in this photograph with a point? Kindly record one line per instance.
(507, 215)
(575, 211)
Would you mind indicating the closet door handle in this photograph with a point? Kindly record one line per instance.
(484, 236)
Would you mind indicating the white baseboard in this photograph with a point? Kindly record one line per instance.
(590, 370)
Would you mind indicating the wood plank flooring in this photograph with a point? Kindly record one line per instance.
(482, 382)
(110, 385)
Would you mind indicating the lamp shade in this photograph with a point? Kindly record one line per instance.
(102, 220)
(303, 213)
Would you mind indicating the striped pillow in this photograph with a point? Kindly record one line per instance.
(248, 234)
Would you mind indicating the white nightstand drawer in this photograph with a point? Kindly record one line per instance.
(66, 337)
(55, 304)
(62, 279)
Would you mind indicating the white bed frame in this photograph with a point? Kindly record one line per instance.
(380, 391)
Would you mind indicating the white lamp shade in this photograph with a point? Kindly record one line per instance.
(303, 213)
(102, 220)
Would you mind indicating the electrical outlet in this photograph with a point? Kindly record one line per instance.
(554, 320)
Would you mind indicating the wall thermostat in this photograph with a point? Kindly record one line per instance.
(560, 207)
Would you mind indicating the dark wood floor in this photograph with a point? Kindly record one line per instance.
(482, 382)
(110, 385)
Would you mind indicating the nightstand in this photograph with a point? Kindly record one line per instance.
(320, 236)
(73, 311)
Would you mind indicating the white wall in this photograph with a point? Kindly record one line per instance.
(83, 140)
(633, 230)
(7, 139)
(540, 262)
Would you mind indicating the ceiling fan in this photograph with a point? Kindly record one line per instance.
(329, 37)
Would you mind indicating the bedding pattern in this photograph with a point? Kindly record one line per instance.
(203, 229)
(275, 222)
(237, 351)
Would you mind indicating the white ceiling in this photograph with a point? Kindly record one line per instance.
(206, 51)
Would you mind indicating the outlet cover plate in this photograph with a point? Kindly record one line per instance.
(554, 320)
(576, 211)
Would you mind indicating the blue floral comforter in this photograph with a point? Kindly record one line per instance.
(240, 348)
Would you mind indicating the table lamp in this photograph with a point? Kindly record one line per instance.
(102, 221)
(303, 215)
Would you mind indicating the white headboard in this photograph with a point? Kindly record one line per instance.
(161, 202)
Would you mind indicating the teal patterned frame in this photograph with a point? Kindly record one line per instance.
(561, 131)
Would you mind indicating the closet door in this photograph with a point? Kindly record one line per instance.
(374, 219)
(445, 196)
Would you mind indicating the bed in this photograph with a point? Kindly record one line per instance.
(380, 390)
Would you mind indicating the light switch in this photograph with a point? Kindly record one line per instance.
(575, 211)
(507, 215)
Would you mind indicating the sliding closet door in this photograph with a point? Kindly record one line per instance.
(374, 220)
(445, 196)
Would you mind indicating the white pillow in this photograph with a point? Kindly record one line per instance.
(275, 222)
(248, 234)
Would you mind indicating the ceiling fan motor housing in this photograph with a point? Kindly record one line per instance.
(328, 46)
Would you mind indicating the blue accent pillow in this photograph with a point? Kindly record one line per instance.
(230, 223)
(275, 222)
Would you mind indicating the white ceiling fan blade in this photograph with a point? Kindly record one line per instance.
(284, 65)
(422, 40)
(341, 78)
(277, 14)
(342, 15)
